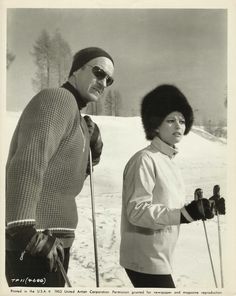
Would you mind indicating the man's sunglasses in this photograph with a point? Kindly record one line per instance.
(100, 74)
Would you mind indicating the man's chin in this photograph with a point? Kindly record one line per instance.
(93, 97)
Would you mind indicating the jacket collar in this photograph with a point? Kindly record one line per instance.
(164, 148)
(80, 102)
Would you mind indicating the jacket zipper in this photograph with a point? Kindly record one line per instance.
(22, 255)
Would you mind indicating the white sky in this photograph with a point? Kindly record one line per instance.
(149, 46)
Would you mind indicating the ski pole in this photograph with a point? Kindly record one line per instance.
(93, 219)
(220, 251)
(216, 195)
(63, 272)
(198, 195)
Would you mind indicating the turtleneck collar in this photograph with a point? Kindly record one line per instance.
(164, 148)
(80, 102)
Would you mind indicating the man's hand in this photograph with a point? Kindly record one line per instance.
(45, 245)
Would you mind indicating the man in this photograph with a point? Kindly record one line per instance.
(46, 169)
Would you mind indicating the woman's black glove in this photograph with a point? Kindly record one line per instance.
(219, 202)
(96, 143)
(201, 209)
(220, 206)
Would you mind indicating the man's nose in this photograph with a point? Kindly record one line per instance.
(103, 82)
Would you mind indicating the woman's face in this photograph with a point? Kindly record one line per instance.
(172, 128)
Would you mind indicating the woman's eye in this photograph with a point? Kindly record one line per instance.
(182, 121)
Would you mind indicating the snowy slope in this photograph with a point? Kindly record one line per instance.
(203, 164)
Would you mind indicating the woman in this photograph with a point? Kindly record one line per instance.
(153, 192)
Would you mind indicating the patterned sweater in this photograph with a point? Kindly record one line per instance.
(47, 163)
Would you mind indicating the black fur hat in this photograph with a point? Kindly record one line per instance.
(160, 102)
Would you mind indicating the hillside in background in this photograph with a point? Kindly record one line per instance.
(202, 159)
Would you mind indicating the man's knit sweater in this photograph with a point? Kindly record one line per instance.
(47, 163)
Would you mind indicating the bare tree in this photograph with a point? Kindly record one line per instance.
(42, 55)
(61, 58)
(226, 98)
(10, 58)
(108, 103)
(52, 57)
(92, 109)
(117, 102)
(113, 103)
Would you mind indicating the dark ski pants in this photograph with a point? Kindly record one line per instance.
(32, 271)
(145, 280)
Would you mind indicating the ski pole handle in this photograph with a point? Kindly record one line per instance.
(198, 194)
(216, 196)
(216, 191)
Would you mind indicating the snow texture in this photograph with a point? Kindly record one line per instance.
(202, 159)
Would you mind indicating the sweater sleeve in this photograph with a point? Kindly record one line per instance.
(42, 126)
(139, 182)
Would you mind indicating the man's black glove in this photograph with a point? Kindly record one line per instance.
(45, 245)
(27, 239)
(96, 143)
(198, 210)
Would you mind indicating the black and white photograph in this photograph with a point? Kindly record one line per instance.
(117, 148)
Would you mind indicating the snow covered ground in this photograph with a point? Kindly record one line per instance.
(202, 159)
